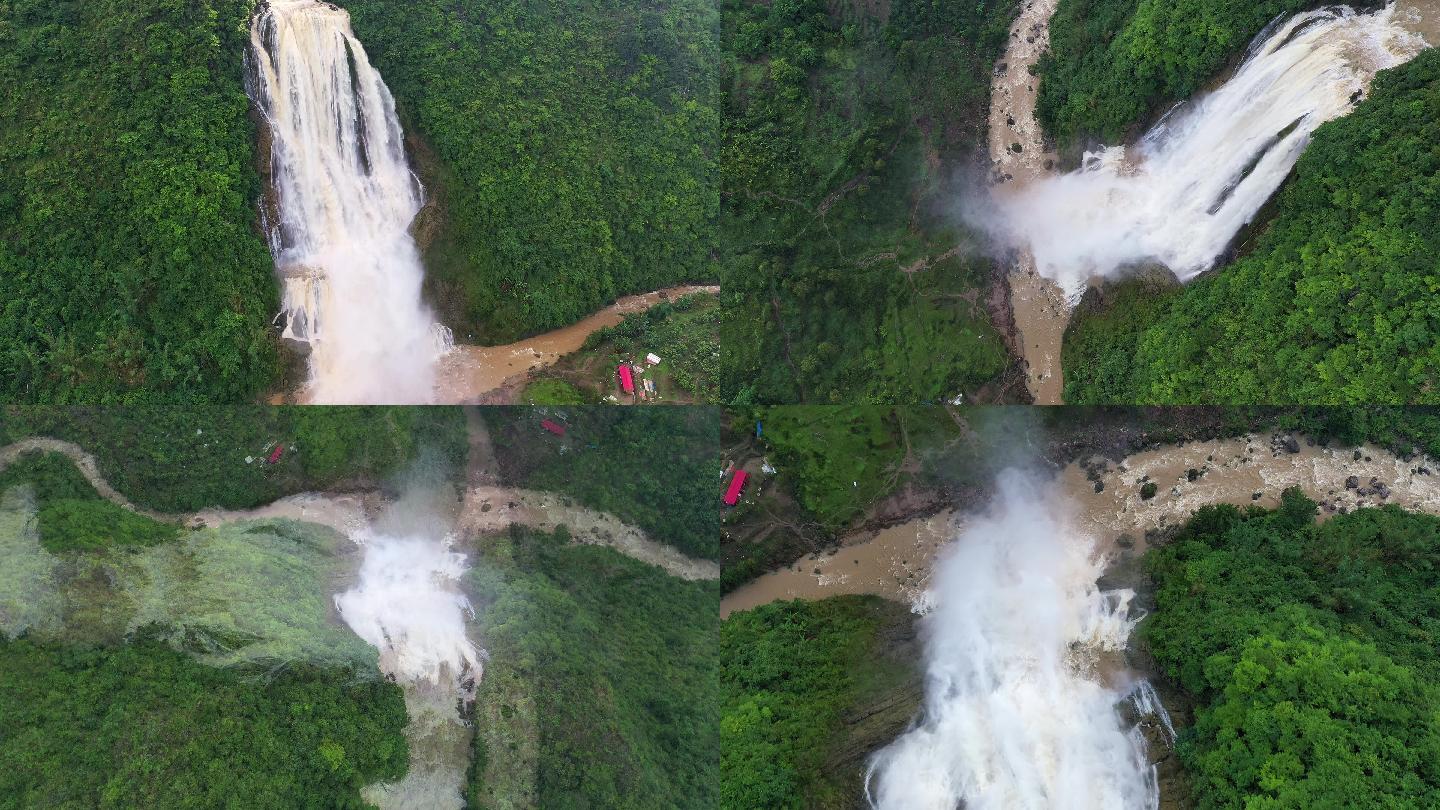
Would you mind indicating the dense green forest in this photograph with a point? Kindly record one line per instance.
(655, 468)
(1311, 652)
(601, 667)
(808, 690)
(130, 255)
(141, 725)
(1113, 63)
(844, 128)
(569, 147)
(176, 460)
(1335, 303)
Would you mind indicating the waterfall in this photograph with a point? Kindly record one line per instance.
(350, 271)
(1024, 676)
(408, 604)
(1181, 194)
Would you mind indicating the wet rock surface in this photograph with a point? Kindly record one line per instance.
(881, 716)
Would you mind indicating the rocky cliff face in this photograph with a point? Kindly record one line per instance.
(885, 710)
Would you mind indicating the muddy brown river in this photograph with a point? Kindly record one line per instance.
(1037, 304)
(469, 372)
(895, 563)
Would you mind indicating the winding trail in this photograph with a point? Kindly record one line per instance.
(487, 508)
(492, 509)
(85, 463)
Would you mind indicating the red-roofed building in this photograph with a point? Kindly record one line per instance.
(737, 483)
(553, 427)
(627, 379)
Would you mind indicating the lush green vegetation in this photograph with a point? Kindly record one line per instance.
(601, 667)
(130, 258)
(1115, 314)
(652, 467)
(73, 516)
(790, 672)
(1311, 650)
(141, 725)
(845, 124)
(551, 391)
(180, 459)
(684, 333)
(1336, 303)
(1112, 63)
(841, 459)
(569, 146)
(686, 336)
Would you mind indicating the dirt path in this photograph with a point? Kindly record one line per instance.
(486, 508)
(493, 509)
(896, 562)
(85, 463)
(468, 373)
(1038, 306)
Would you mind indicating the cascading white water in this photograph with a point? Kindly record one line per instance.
(1017, 712)
(408, 604)
(1182, 193)
(351, 272)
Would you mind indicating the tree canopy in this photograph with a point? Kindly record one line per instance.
(1113, 63)
(1311, 650)
(569, 147)
(131, 262)
(845, 125)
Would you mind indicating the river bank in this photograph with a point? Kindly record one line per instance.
(1104, 495)
(494, 375)
(1116, 505)
(480, 373)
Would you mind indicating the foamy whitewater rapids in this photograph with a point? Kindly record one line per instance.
(1180, 195)
(351, 272)
(408, 604)
(1017, 713)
